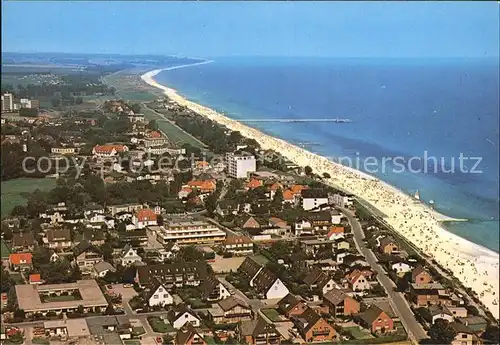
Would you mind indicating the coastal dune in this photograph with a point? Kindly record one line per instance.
(475, 266)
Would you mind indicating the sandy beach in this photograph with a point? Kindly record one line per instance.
(475, 266)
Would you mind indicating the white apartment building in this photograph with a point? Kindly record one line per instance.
(7, 102)
(342, 200)
(240, 165)
(188, 230)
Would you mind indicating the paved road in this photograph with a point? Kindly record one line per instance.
(398, 302)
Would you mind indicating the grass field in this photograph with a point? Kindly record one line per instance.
(359, 334)
(172, 131)
(12, 190)
(158, 325)
(272, 314)
(129, 86)
(5, 250)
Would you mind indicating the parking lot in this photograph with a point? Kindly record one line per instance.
(225, 265)
(118, 289)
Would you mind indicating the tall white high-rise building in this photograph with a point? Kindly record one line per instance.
(7, 102)
(240, 165)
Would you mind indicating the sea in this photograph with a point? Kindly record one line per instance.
(426, 125)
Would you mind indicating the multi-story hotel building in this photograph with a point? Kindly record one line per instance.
(188, 230)
(240, 165)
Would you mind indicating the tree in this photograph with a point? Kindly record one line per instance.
(491, 334)
(308, 170)
(153, 125)
(136, 108)
(190, 254)
(5, 280)
(441, 333)
(159, 220)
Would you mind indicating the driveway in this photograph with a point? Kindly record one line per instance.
(397, 300)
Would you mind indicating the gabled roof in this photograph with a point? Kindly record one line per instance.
(109, 148)
(23, 239)
(58, 235)
(249, 267)
(264, 280)
(85, 246)
(313, 276)
(103, 266)
(186, 333)
(154, 288)
(335, 296)
(371, 314)
(35, 278)
(20, 258)
(320, 216)
(386, 241)
(237, 240)
(289, 302)
(146, 214)
(316, 193)
(418, 270)
(307, 319)
(178, 311)
(335, 230)
(461, 328)
(231, 302)
(208, 286)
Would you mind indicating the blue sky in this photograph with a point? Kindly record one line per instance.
(212, 29)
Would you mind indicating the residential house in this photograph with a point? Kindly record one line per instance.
(188, 335)
(420, 276)
(250, 268)
(213, 290)
(20, 261)
(292, 305)
(95, 237)
(181, 315)
(440, 312)
(58, 239)
(144, 217)
(313, 198)
(401, 268)
(171, 249)
(340, 304)
(102, 268)
(35, 279)
(258, 331)
(86, 255)
(158, 295)
(130, 208)
(226, 207)
(129, 256)
(310, 222)
(250, 222)
(464, 335)
(203, 186)
(230, 310)
(376, 320)
(108, 150)
(276, 222)
(136, 238)
(313, 328)
(342, 200)
(335, 232)
(319, 281)
(358, 282)
(388, 246)
(253, 183)
(341, 244)
(268, 285)
(477, 324)
(23, 241)
(428, 294)
(178, 274)
(238, 245)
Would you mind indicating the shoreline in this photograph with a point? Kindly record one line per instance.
(474, 265)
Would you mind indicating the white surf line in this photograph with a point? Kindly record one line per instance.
(187, 65)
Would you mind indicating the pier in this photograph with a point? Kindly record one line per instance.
(336, 120)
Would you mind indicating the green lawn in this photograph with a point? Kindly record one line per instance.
(5, 250)
(359, 334)
(138, 331)
(171, 130)
(17, 278)
(132, 342)
(12, 190)
(158, 325)
(272, 314)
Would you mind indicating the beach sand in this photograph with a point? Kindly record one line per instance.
(475, 266)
